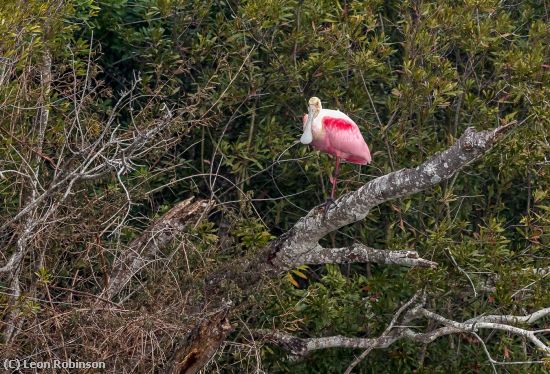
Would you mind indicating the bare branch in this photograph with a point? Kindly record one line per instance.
(388, 330)
(509, 319)
(146, 246)
(303, 346)
(354, 206)
(198, 347)
(479, 323)
(360, 253)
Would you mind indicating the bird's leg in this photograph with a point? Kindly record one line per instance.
(334, 180)
(335, 177)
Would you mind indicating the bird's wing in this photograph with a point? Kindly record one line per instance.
(345, 137)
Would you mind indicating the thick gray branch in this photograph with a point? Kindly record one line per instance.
(359, 253)
(304, 346)
(300, 243)
(354, 206)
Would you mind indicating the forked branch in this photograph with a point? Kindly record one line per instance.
(301, 242)
(303, 346)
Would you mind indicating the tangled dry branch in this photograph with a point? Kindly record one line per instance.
(145, 247)
(114, 151)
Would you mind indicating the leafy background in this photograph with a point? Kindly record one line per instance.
(412, 74)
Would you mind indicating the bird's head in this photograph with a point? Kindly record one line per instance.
(314, 107)
(315, 103)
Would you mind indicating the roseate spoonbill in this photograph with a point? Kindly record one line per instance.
(333, 132)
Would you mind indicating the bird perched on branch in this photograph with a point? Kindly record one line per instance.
(333, 132)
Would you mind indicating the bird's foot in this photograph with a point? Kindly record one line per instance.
(330, 201)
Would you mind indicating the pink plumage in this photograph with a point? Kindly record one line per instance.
(336, 134)
(333, 132)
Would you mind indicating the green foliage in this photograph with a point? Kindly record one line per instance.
(252, 234)
(412, 74)
(44, 276)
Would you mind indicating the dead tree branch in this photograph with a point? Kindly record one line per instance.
(302, 240)
(196, 349)
(506, 324)
(147, 245)
(303, 346)
(300, 244)
(360, 253)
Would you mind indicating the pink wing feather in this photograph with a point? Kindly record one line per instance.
(345, 139)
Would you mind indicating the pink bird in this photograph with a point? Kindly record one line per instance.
(333, 132)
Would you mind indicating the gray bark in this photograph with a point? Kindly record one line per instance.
(303, 346)
(359, 253)
(302, 239)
